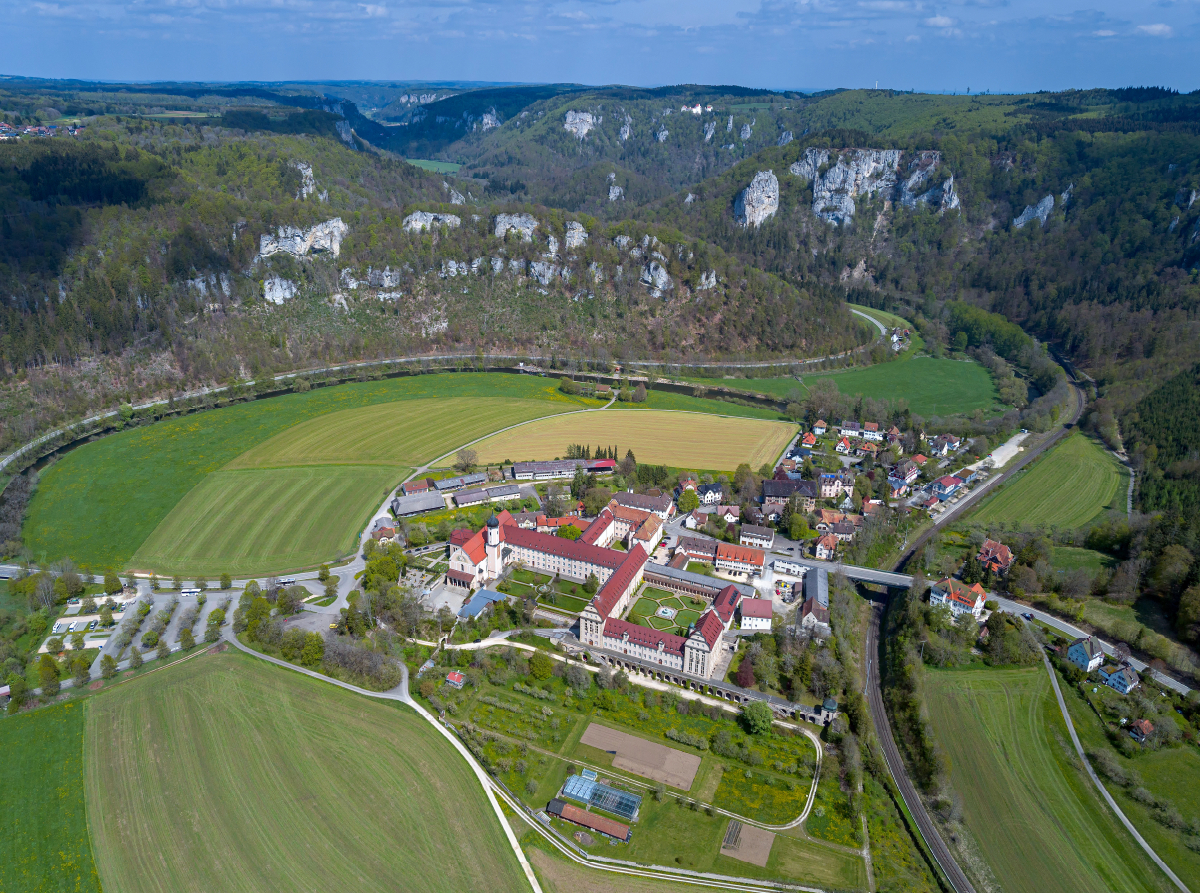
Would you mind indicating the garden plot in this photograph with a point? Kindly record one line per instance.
(747, 843)
(645, 758)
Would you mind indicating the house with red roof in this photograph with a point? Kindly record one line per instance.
(819, 428)
(996, 557)
(1140, 730)
(843, 445)
(959, 597)
(946, 486)
(826, 547)
(737, 559)
(809, 440)
(756, 613)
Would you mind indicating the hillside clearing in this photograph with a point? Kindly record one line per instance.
(193, 785)
(1068, 487)
(681, 440)
(1037, 820)
(271, 519)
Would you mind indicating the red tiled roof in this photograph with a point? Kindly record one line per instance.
(614, 587)
(828, 541)
(571, 550)
(597, 528)
(744, 554)
(475, 547)
(455, 677)
(600, 823)
(949, 480)
(460, 536)
(710, 627)
(959, 592)
(726, 601)
(757, 607)
(919, 459)
(643, 635)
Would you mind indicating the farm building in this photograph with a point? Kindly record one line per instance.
(449, 485)
(417, 503)
(559, 468)
(480, 495)
(606, 826)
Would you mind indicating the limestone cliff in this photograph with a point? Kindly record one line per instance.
(758, 201)
(297, 242)
(745, 134)
(276, 290)
(891, 174)
(626, 129)
(308, 183)
(579, 123)
(710, 127)
(419, 221)
(656, 278)
(1040, 212)
(615, 192)
(785, 138)
(524, 224)
(576, 236)
(661, 136)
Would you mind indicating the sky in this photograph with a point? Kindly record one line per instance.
(997, 45)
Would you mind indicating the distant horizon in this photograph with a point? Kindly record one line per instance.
(465, 84)
(997, 46)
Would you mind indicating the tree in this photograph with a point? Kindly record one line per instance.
(579, 679)
(628, 465)
(540, 666)
(639, 393)
(186, 639)
(81, 672)
(745, 673)
(88, 606)
(226, 581)
(48, 676)
(112, 583)
(757, 717)
(177, 582)
(77, 641)
(106, 616)
(688, 501)
(331, 587)
(135, 658)
(466, 460)
(591, 584)
(323, 573)
(202, 583)
(18, 690)
(155, 585)
(108, 666)
(569, 532)
(162, 649)
(313, 651)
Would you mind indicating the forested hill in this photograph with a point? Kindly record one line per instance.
(1163, 432)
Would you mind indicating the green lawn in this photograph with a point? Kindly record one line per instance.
(765, 798)
(100, 502)
(192, 785)
(1070, 558)
(43, 825)
(438, 167)
(1038, 821)
(1069, 486)
(273, 519)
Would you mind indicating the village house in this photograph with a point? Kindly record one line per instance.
(775, 494)
(996, 557)
(813, 616)
(826, 547)
(958, 597)
(697, 549)
(946, 486)
(739, 559)
(906, 470)
(809, 440)
(420, 485)
(383, 532)
(710, 494)
(819, 428)
(897, 488)
(844, 446)
(1086, 653)
(730, 514)
(867, 450)
(756, 613)
(1140, 730)
(850, 429)
(1123, 678)
(833, 485)
(663, 506)
(871, 432)
(695, 520)
(759, 537)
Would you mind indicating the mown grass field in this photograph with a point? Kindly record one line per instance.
(682, 440)
(100, 502)
(1068, 487)
(407, 432)
(43, 823)
(192, 784)
(1038, 821)
(271, 519)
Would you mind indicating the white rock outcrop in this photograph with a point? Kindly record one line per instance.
(729, 126)
(810, 164)
(745, 134)
(785, 138)
(297, 242)
(597, 272)
(489, 120)
(552, 249)
(1040, 211)
(622, 241)
(456, 197)
(1070, 190)
(710, 127)
(757, 202)
(689, 198)
(347, 279)
(385, 278)
(308, 183)
(870, 172)
(576, 235)
(277, 290)
(516, 265)
(579, 123)
(662, 134)
(452, 268)
(626, 129)
(419, 221)
(524, 224)
(707, 280)
(615, 192)
(543, 271)
(656, 278)
(497, 264)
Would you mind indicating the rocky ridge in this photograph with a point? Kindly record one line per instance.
(419, 221)
(757, 202)
(871, 172)
(298, 242)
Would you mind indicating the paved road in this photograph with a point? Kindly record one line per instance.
(1103, 790)
(912, 799)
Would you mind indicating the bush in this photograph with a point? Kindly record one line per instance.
(757, 717)
(375, 670)
(149, 638)
(696, 741)
(135, 659)
(540, 666)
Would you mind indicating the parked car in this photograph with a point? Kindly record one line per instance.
(1027, 616)
(92, 625)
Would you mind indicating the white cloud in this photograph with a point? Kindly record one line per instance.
(940, 22)
(1104, 33)
(1155, 30)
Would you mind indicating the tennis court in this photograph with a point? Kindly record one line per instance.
(645, 758)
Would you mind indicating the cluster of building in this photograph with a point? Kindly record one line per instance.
(560, 468)
(13, 131)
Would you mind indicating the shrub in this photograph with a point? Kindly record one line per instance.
(696, 741)
(540, 666)
(149, 638)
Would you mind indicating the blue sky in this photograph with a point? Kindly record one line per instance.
(998, 45)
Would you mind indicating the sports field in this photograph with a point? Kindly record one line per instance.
(270, 519)
(99, 503)
(193, 785)
(43, 825)
(1068, 487)
(1038, 821)
(682, 440)
(407, 432)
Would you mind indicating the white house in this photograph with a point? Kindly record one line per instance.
(710, 494)
(1123, 678)
(1086, 654)
(756, 613)
(958, 597)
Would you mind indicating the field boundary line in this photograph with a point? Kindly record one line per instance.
(1108, 798)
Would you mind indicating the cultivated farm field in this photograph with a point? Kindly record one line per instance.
(270, 519)
(1068, 487)
(681, 440)
(193, 785)
(407, 432)
(1038, 821)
